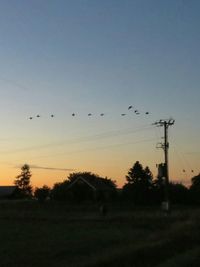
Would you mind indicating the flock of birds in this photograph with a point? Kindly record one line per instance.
(38, 116)
(101, 114)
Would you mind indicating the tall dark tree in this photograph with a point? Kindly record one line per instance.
(23, 183)
(139, 186)
(139, 175)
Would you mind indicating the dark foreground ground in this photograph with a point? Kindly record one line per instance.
(63, 235)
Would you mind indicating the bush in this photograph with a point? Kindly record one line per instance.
(42, 193)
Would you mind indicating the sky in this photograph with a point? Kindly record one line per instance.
(89, 56)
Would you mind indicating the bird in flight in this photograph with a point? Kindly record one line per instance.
(30, 118)
(130, 107)
(137, 112)
(147, 113)
(123, 114)
(102, 114)
(52, 115)
(38, 116)
(73, 114)
(89, 114)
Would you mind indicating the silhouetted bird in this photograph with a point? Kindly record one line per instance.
(147, 113)
(123, 114)
(183, 170)
(102, 114)
(38, 116)
(73, 114)
(136, 111)
(130, 107)
(52, 115)
(89, 114)
(192, 170)
(30, 118)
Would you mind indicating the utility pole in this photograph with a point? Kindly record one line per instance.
(165, 146)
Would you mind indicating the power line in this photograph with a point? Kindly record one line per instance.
(97, 148)
(186, 166)
(108, 134)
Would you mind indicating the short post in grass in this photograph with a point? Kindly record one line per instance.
(103, 209)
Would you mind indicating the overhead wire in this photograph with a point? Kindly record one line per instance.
(185, 164)
(91, 138)
(108, 134)
(96, 148)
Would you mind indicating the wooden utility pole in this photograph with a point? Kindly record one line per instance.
(165, 146)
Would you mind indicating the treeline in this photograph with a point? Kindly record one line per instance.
(141, 188)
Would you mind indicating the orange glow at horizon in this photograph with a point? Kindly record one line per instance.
(115, 170)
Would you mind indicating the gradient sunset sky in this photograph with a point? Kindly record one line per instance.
(98, 56)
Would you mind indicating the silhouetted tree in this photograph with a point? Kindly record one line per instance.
(195, 189)
(140, 183)
(60, 191)
(179, 194)
(42, 193)
(22, 181)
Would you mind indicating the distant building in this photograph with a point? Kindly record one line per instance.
(7, 191)
(83, 189)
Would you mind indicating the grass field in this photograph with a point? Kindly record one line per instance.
(61, 235)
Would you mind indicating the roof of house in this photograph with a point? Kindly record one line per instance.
(95, 184)
(7, 190)
(81, 179)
